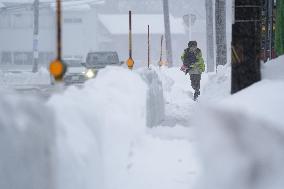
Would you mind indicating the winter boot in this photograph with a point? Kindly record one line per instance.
(196, 94)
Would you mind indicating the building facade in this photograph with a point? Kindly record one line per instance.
(79, 35)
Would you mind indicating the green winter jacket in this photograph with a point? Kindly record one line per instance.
(199, 66)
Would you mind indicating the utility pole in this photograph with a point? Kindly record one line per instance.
(36, 36)
(148, 46)
(210, 36)
(168, 33)
(270, 27)
(246, 44)
(220, 26)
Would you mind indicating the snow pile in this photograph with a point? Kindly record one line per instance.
(273, 70)
(96, 130)
(239, 151)
(216, 87)
(241, 140)
(99, 125)
(25, 78)
(27, 144)
(155, 97)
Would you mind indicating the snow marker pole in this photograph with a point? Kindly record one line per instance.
(130, 62)
(161, 52)
(57, 68)
(148, 46)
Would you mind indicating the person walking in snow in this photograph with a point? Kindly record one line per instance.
(193, 64)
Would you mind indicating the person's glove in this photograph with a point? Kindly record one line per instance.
(184, 68)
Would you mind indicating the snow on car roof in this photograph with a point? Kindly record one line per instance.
(118, 23)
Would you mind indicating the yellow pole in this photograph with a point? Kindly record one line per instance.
(161, 52)
(130, 61)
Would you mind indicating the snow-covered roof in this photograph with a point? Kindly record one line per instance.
(118, 24)
(67, 5)
(73, 6)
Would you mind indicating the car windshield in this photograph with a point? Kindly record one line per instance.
(102, 58)
(73, 63)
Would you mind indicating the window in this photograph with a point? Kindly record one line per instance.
(23, 58)
(22, 21)
(73, 20)
(5, 21)
(6, 58)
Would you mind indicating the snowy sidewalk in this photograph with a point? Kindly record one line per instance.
(165, 157)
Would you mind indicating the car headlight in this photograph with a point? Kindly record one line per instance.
(90, 74)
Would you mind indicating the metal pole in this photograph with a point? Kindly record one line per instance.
(148, 46)
(130, 34)
(270, 25)
(210, 36)
(221, 40)
(189, 27)
(161, 52)
(57, 68)
(59, 40)
(266, 30)
(130, 62)
(167, 32)
(36, 36)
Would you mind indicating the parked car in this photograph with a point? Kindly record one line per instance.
(75, 73)
(98, 60)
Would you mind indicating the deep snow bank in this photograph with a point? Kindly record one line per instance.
(27, 144)
(239, 151)
(242, 136)
(216, 86)
(82, 138)
(98, 125)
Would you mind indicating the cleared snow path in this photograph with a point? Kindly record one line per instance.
(165, 157)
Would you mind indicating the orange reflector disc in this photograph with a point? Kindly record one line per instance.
(130, 63)
(56, 68)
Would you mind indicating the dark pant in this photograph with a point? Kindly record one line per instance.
(195, 81)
